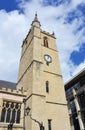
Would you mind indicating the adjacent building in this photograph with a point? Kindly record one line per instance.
(39, 87)
(75, 95)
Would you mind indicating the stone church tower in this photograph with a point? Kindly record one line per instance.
(40, 76)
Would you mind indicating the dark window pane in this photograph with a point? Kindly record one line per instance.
(72, 106)
(49, 124)
(12, 105)
(3, 115)
(13, 115)
(47, 86)
(7, 104)
(8, 115)
(16, 106)
(18, 116)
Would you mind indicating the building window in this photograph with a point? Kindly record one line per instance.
(74, 116)
(11, 112)
(49, 124)
(45, 41)
(76, 85)
(72, 106)
(47, 86)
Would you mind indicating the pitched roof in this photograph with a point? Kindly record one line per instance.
(7, 84)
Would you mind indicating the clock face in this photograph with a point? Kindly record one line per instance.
(48, 58)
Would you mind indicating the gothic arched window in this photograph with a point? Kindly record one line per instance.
(11, 112)
(45, 41)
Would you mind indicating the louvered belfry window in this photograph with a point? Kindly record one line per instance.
(11, 112)
(45, 41)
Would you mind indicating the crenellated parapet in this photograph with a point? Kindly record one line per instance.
(47, 33)
(13, 91)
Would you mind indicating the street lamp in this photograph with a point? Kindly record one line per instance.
(27, 111)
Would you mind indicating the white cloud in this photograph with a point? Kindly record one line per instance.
(12, 31)
(14, 27)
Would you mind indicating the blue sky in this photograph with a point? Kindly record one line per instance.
(9, 5)
(65, 17)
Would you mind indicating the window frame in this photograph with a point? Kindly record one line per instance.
(11, 115)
